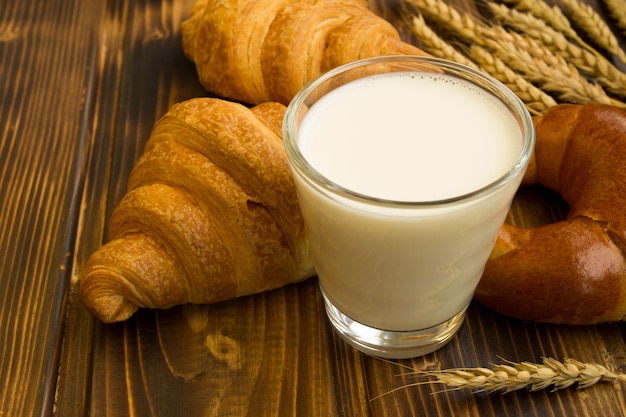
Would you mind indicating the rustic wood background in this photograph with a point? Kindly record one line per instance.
(81, 84)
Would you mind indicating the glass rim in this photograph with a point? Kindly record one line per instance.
(497, 89)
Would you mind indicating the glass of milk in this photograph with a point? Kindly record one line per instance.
(405, 169)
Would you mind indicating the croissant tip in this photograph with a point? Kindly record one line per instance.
(108, 308)
(113, 309)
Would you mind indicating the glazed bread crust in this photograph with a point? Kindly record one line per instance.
(573, 271)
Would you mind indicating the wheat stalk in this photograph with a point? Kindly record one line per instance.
(555, 75)
(553, 16)
(536, 100)
(511, 376)
(618, 12)
(542, 67)
(434, 44)
(461, 25)
(586, 62)
(594, 26)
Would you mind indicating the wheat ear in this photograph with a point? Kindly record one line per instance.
(510, 376)
(552, 15)
(593, 65)
(618, 12)
(536, 100)
(544, 68)
(594, 26)
(460, 25)
(433, 43)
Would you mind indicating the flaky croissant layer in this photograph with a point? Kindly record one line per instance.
(256, 51)
(210, 214)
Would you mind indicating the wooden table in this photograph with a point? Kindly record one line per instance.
(81, 84)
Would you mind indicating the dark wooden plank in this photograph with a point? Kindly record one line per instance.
(162, 77)
(264, 355)
(78, 77)
(74, 379)
(274, 353)
(46, 65)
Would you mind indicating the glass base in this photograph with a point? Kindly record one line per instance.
(392, 344)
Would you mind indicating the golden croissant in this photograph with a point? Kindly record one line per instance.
(256, 51)
(210, 214)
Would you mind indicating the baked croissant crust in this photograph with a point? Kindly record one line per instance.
(256, 51)
(210, 214)
(573, 271)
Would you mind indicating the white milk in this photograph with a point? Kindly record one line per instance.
(409, 138)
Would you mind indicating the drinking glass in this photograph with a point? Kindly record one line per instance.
(398, 249)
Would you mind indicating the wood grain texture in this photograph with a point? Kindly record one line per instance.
(46, 68)
(81, 84)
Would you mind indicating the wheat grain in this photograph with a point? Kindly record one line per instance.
(542, 67)
(588, 63)
(536, 100)
(555, 75)
(594, 26)
(461, 25)
(510, 376)
(553, 16)
(434, 44)
(618, 12)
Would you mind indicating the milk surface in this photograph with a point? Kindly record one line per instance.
(409, 137)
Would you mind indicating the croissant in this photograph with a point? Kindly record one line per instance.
(210, 214)
(573, 271)
(256, 51)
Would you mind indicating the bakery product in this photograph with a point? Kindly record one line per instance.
(210, 214)
(572, 271)
(266, 50)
